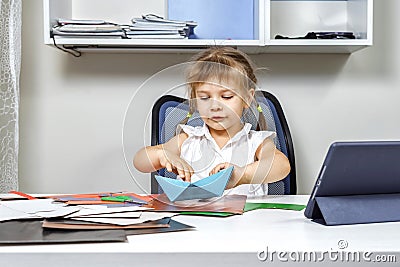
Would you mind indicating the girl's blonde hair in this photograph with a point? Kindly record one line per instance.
(223, 65)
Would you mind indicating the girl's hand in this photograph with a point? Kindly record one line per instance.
(220, 167)
(236, 174)
(173, 163)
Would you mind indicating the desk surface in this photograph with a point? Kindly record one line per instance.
(279, 230)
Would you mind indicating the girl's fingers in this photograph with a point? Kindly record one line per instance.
(182, 169)
(216, 169)
(168, 166)
(219, 167)
(187, 176)
(188, 171)
(191, 171)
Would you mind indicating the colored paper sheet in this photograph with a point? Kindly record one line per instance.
(104, 211)
(249, 207)
(205, 213)
(144, 217)
(96, 199)
(227, 203)
(173, 227)
(37, 208)
(81, 225)
(254, 206)
(31, 232)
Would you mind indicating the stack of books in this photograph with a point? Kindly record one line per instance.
(156, 27)
(87, 28)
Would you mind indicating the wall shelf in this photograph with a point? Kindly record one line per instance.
(290, 18)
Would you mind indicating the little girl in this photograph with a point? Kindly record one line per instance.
(221, 86)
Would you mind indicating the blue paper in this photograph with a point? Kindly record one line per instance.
(211, 186)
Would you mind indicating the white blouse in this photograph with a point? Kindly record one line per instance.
(201, 152)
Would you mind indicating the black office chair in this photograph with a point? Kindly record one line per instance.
(169, 111)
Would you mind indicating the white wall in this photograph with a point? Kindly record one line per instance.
(72, 109)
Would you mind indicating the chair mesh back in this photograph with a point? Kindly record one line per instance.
(172, 113)
(273, 124)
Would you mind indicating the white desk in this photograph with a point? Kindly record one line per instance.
(245, 235)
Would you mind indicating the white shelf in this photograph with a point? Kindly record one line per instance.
(290, 18)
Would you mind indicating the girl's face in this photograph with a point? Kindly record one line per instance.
(220, 107)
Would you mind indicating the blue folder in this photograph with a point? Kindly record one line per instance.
(358, 183)
(211, 186)
(217, 19)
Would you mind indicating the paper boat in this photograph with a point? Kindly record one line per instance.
(211, 186)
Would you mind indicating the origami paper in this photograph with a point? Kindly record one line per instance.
(211, 186)
(284, 206)
(227, 203)
(31, 232)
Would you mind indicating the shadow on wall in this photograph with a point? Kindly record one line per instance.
(282, 66)
(302, 65)
(289, 66)
(92, 65)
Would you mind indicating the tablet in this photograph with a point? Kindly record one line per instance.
(357, 168)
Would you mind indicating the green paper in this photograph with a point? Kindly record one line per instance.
(248, 206)
(255, 206)
(207, 213)
(117, 198)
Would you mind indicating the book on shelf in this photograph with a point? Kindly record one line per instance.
(153, 28)
(63, 21)
(95, 28)
(152, 23)
(156, 32)
(146, 27)
(156, 36)
(88, 35)
(87, 29)
(155, 18)
(139, 22)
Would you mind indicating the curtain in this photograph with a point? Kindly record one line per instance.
(10, 62)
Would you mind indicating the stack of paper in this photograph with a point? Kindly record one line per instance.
(87, 28)
(104, 198)
(33, 209)
(155, 27)
(101, 217)
(58, 219)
